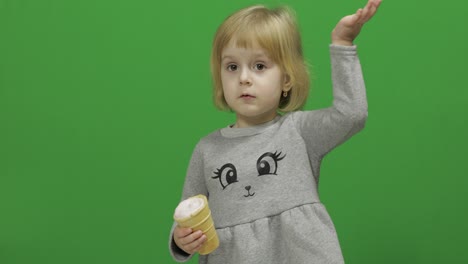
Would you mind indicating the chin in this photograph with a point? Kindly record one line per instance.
(255, 114)
(248, 112)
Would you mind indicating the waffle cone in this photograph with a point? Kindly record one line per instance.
(201, 220)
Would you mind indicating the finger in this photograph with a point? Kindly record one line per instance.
(356, 17)
(369, 11)
(187, 240)
(201, 243)
(373, 9)
(365, 12)
(181, 232)
(197, 248)
(195, 245)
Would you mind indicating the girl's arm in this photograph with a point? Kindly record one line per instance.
(326, 128)
(183, 243)
(195, 179)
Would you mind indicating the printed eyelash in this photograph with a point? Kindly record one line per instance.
(217, 173)
(277, 156)
(267, 164)
(218, 176)
(227, 178)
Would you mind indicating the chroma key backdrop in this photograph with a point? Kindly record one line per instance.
(102, 103)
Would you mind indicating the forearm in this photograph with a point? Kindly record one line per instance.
(349, 92)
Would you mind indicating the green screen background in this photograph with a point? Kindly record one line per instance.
(102, 102)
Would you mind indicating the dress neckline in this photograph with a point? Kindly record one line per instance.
(232, 132)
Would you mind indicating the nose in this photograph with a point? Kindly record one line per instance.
(245, 78)
(247, 188)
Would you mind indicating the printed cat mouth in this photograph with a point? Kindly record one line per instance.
(249, 194)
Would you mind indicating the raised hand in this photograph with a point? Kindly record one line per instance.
(349, 26)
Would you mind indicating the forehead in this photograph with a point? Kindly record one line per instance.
(235, 48)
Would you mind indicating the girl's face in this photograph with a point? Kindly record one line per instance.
(252, 84)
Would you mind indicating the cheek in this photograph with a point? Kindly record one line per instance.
(227, 92)
(274, 87)
(227, 84)
(224, 81)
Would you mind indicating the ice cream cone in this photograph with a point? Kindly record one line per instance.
(198, 217)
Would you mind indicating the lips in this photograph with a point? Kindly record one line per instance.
(247, 96)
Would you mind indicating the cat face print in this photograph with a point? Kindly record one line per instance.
(267, 165)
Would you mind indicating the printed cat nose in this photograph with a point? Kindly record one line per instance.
(247, 188)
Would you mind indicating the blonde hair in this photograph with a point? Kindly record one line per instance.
(276, 31)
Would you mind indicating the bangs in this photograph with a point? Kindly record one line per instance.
(260, 27)
(252, 34)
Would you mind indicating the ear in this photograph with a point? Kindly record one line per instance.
(287, 85)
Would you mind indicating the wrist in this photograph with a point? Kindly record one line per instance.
(337, 40)
(342, 42)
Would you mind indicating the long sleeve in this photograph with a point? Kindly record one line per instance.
(324, 129)
(194, 184)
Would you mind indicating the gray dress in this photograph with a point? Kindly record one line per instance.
(262, 181)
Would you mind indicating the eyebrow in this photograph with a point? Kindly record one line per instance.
(226, 57)
(255, 55)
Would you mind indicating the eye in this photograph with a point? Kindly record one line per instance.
(268, 163)
(227, 174)
(231, 67)
(260, 67)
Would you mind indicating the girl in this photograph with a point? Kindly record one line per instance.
(261, 173)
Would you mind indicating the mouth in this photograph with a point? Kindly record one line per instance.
(247, 96)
